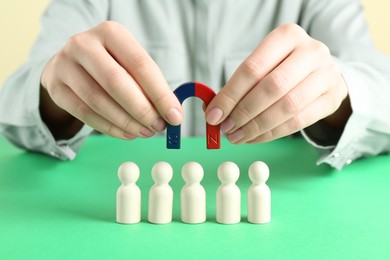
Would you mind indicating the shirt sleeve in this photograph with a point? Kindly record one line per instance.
(342, 27)
(20, 120)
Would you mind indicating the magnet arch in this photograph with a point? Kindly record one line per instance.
(184, 91)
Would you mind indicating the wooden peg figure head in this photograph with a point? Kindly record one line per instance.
(258, 172)
(128, 173)
(228, 173)
(162, 172)
(192, 172)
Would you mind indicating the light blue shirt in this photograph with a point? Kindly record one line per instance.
(206, 41)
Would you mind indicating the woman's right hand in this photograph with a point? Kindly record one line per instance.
(104, 78)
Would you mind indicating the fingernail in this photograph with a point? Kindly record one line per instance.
(174, 116)
(227, 125)
(129, 136)
(159, 124)
(146, 132)
(236, 136)
(214, 116)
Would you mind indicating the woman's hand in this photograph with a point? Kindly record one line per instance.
(289, 82)
(104, 78)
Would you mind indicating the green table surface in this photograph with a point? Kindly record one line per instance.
(51, 209)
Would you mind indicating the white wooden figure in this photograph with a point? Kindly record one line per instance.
(161, 194)
(128, 195)
(228, 194)
(193, 195)
(259, 194)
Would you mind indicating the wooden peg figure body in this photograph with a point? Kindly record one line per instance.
(128, 196)
(259, 194)
(161, 194)
(193, 195)
(228, 194)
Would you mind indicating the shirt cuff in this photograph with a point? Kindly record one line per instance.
(352, 141)
(61, 149)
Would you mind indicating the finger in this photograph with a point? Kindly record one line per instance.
(315, 85)
(131, 56)
(293, 70)
(269, 54)
(305, 118)
(65, 98)
(116, 82)
(100, 102)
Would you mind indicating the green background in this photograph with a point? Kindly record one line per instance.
(51, 209)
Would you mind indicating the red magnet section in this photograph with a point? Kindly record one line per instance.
(212, 131)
